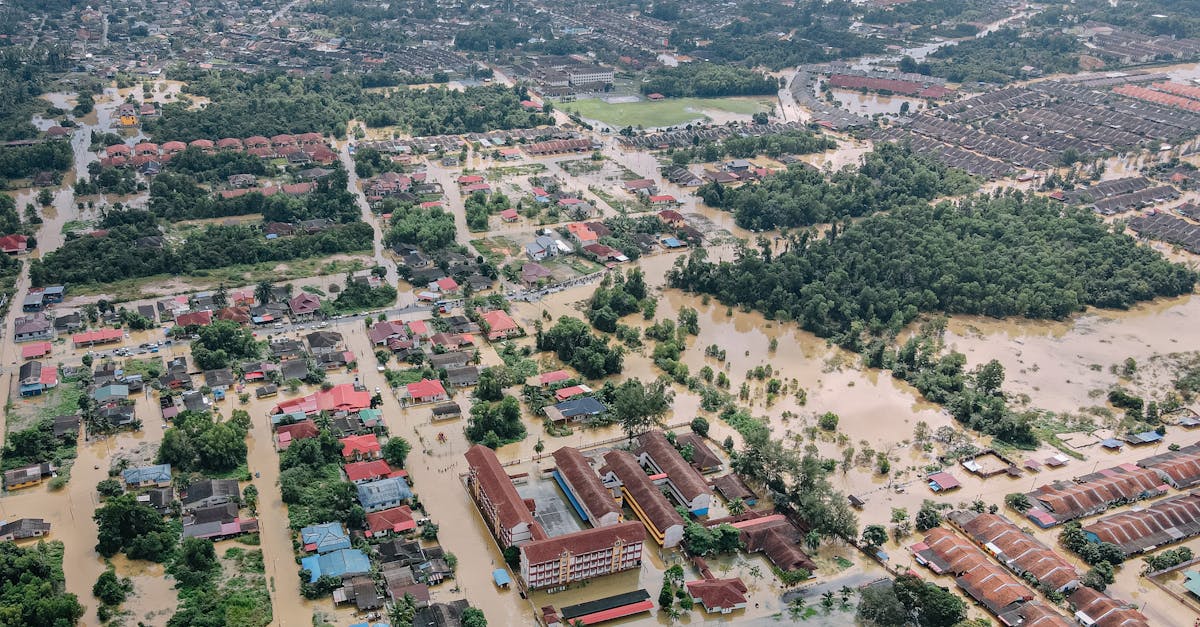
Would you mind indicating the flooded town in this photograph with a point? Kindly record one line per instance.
(443, 314)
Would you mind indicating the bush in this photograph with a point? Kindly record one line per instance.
(700, 426)
(828, 421)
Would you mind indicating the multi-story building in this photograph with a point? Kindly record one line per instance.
(643, 497)
(504, 511)
(686, 485)
(587, 75)
(559, 561)
(594, 502)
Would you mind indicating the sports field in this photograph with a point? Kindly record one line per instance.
(669, 112)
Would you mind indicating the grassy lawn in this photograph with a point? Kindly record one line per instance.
(660, 113)
(496, 249)
(132, 289)
(569, 265)
(501, 172)
(75, 225)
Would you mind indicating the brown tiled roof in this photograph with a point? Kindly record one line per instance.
(732, 487)
(1020, 550)
(1164, 522)
(689, 482)
(583, 480)
(1069, 500)
(702, 456)
(1038, 615)
(583, 542)
(772, 534)
(994, 587)
(957, 552)
(718, 593)
(1182, 466)
(648, 497)
(494, 482)
(1105, 610)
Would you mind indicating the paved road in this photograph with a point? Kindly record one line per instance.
(368, 216)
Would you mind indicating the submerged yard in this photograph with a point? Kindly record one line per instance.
(667, 112)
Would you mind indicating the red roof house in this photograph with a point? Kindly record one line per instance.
(304, 304)
(718, 595)
(98, 336)
(34, 350)
(359, 472)
(427, 391)
(338, 398)
(395, 520)
(546, 378)
(14, 244)
(198, 318)
(500, 325)
(361, 447)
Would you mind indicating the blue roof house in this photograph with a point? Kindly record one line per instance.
(339, 563)
(383, 494)
(159, 475)
(110, 392)
(325, 537)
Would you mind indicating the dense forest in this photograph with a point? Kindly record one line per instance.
(707, 80)
(999, 57)
(21, 162)
(32, 587)
(890, 177)
(118, 254)
(817, 32)
(431, 228)
(178, 197)
(1004, 256)
(271, 103)
(1173, 18)
(24, 75)
(774, 145)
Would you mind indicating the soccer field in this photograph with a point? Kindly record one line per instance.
(669, 112)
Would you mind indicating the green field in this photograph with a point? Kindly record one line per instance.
(662, 112)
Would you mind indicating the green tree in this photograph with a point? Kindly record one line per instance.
(928, 516)
(638, 406)
(395, 451)
(874, 535)
(110, 488)
(125, 524)
(110, 589)
(700, 426)
(196, 563)
(473, 617)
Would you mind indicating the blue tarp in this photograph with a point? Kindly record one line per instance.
(500, 576)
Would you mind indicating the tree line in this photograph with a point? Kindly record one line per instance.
(773, 145)
(122, 252)
(271, 103)
(891, 176)
(1009, 255)
(707, 80)
(176, 196)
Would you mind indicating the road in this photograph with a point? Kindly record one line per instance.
(367, 215)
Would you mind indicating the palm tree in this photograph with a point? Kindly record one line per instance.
(812, 540)
(827, 599)
(796, 608)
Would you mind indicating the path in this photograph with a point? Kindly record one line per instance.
(367, 215)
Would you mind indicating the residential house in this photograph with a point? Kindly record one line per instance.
(304, 306)
(425, 391)
(36, 350)
(321, 342)
(383, 494)
(390, 521)
(209, 492)
(576, 409)
(500, 326)
(703, 458)
(366, 471)
(342, 397)
(721, 596)
(446, 411)
(157, 475)
(23, 529)
(339, 563)
(32, 329)
(642, 187)
(452, 359)
(361, 447)
(33, 378)
(733, 488)
(26, 476)
(325, 537)
(221, 378)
